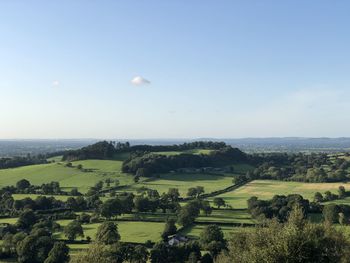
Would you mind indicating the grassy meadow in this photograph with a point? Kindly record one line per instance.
(68, 177)
(130, 231)
(266, 189)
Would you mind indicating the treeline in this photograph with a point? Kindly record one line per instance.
(299, 167)
(279, 207)
(12, 162)
(150, 164)
(106, 150)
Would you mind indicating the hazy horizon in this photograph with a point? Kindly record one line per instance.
(181, 69)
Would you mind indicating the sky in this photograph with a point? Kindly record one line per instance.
(174, 69)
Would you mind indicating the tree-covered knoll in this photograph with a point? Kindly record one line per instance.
(150, 164)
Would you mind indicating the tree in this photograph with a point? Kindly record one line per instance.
(73, 230)
(74, 192)
(330, 213)
(206, 208)
(169, 229)
(318, 197)
(96, 253)
(107, 233)
(111, 207)
(99, 185)
(26, 249)
(189, 212)
(212, 239)
(116, 182)
(341, 192)
(301, 240)
(206, 258)
(26, 219)
(136, 179)
(218, 201)
(173, 194)
(58, 254)
(200, 190)
(22, 184)
(34, 248)
(343, 220)
(192, 192)
(140, 254)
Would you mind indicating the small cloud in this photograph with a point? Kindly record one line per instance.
(55, 83)
(138, 81)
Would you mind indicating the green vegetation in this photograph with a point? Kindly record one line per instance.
(138, 232)
(68, 177)
(266, 189)
(161, 203)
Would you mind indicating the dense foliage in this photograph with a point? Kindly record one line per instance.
(279, 206)
(12, 162)
(150, 164)
(297, 240)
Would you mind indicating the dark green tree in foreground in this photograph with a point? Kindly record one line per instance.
(212, 239)
(330, 213)
(73, 230)
(107, 233)
(58, 254)
(297, 240)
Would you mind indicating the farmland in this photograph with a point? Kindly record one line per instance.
(68, 177)
(126, 199)
(266, 189)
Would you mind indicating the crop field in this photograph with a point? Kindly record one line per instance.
(138, 232)
(266, 189)
(68, 177)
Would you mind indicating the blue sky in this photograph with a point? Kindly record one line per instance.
(216, 69)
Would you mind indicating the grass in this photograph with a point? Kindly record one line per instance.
(195, 230)
(266, 189)
(34, 196)
(183, 181)
(138, 232)
(11, 220)
(227, 216)
(67, 177)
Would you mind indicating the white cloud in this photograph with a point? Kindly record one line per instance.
(138, 81)
(55, 83)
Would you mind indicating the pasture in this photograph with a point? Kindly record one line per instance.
(183, 181)
(195, 230)
(68, 177)
(130, 231)
(266, 189)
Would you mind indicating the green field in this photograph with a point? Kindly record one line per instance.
(34, 196)
(138, 232)
(12, 220)
(266, 189)
(67, 177)
(227, 216)
(183, 181)
(195, 230)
